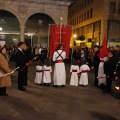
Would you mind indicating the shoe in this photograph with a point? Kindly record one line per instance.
(4, 94)
(25, 84)
(22, 89)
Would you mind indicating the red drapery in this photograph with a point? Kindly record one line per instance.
(104, 51)
(65, 38)
(55, 38)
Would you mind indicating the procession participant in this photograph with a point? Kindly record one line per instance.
(84, 68)
(103, 57)
(47, 70)
(39, 73)
(96, 61)
(4, 68)
(59, 76)
(21, 62)
(109, 68)
(101, 74)
(74, 71)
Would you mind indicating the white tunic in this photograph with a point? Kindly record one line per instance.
(59, 77)
(47, 74)
(38, 77)
(84, 75)
(74, 75)
(101, 75)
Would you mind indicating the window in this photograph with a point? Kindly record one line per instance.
(119, 9)
(114, 25)
(84, 16)
(91, 13)
(87, 15)
(112, 7)
(79, 19)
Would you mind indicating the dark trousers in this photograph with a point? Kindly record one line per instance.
(25, 76)
(108, 84)
(2, 90)
(21, 77)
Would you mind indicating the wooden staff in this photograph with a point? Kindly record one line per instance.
(29, 62)
(9, 72)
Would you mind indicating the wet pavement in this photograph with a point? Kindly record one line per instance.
(50, 103)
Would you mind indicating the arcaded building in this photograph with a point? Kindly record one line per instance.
(94, 19)
(28, 20)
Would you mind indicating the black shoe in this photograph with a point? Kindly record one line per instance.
(4, 94)
(25, 84)
(22, 89)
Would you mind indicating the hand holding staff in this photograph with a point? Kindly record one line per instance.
(28, 63)
(9, 72)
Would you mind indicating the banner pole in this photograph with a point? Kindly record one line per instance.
(60, 28)
(48, 40)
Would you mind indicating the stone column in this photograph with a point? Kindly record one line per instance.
(22, 29)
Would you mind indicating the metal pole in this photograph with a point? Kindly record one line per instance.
(60, 28)
(48, 40)
(31, 40)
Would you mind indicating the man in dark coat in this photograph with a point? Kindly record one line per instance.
(21, 62)
(95, 64)
(109, 68)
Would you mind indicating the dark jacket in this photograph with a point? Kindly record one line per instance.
(118, 70)
(109, 67)
(96, 60)
(21, 59)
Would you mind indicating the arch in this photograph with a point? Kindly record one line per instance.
(54, 18)
(14, 13)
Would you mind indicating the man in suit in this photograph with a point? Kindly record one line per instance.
(21, 62)
(96, 61)
(109, 68)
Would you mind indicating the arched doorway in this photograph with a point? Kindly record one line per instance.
(37, 30)
(9, 28)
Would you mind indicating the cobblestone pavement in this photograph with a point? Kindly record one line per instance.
(50, 103)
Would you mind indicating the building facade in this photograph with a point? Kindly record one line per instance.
(94, 19)
(24, 9)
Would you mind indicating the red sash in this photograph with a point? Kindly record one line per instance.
(74, 70)
(101, 60)
(59, 61)
(84, 71)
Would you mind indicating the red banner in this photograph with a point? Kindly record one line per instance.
(54, 38)
(65, 38)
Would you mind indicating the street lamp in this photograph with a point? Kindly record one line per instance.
(1, 29)
(74, 39)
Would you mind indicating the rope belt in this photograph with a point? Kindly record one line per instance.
(74, 70)
(84, 71)
(38, 70)
(59, 61)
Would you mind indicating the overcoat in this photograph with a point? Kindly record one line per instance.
(4, 68)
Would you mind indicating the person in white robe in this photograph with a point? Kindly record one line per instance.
(84, 68)
(39, 73)
(59, 76)
(74, 70)
(101, 75)
(47, 74)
